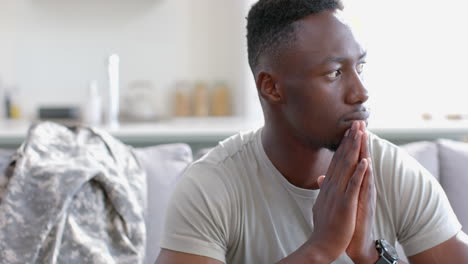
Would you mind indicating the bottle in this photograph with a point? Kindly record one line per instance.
(12, 107)
(200, 100)
(92, 112)
(5, 107)
(114, 93)
(182, 99)
(220, 100)
(7, 101)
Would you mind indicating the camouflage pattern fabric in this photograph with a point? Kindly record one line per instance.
(72, 196)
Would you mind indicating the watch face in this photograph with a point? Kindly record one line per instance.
(389, 249)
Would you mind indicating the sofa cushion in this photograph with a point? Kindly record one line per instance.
(453, 157)
(426, 153)
(163, 165)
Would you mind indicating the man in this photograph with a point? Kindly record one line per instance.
(255, 198)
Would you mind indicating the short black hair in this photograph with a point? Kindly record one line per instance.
(270, 24)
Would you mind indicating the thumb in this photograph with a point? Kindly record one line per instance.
(320, 180)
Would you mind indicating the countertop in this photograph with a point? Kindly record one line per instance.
(211, 130)
(188, 130)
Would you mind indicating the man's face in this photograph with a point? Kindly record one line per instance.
(320, 75)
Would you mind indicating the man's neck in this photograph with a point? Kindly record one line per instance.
(300, 164)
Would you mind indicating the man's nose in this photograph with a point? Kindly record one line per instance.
(356, 92)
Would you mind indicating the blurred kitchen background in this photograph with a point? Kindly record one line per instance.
(178, 59)
(176, 70)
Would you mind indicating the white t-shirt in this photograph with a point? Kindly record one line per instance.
(233, 205)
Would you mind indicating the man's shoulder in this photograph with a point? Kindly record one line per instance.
(391, 162)
(223, 163)
(397, 172)
(379, 145)
(384, 151)
(238, 144)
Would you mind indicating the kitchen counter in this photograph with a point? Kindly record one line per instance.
(198, 132)
(206, 132)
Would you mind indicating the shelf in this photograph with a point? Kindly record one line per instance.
(208, 131)
(415, 130)
(204, 131)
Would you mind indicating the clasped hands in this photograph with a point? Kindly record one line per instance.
(343, 214)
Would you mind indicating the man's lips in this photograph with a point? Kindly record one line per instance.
(358, 115)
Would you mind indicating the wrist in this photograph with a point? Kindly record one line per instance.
(369, 256)
(319, 253)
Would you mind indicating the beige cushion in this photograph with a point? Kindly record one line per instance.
(427, 154)
(453, 158)
(164, 165)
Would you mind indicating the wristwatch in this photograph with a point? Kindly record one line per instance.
(387, 252)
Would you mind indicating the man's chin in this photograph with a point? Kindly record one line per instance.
(332, 147)
(329, 144)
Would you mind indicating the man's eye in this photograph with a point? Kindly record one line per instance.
(360, 67)
(334, 74)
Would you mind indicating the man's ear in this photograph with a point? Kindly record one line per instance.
(269, 89)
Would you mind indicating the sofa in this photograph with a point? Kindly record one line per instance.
(447, 160)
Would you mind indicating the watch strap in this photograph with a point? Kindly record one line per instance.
(383, 260)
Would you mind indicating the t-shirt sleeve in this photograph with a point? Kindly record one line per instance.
(422, 212)
(197, 215)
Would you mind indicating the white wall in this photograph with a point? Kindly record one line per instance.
(417, 53)
(52, 48)
(218, 46)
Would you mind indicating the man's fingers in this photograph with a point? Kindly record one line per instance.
(338, 153)
(354, 184)
(364, 151)
(368, 188)
(320, 180)
(366, 181)
(350, 161)
(360, 126)
(341, 155)
(365, 142)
